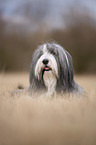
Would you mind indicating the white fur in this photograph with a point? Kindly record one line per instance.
(64, 54)
(45, 49)
(66, 58)
(52, 63)
(50, 82)
(57, 78)
(49, 77)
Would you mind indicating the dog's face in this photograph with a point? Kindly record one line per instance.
(46, 64)
(52, 65)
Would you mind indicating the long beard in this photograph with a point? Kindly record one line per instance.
(50, 81)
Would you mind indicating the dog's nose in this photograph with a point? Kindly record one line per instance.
(45, 61)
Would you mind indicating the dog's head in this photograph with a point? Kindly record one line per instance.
(52, 64)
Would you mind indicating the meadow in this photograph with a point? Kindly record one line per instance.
(38, 120)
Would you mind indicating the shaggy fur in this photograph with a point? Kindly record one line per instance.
(52, 71)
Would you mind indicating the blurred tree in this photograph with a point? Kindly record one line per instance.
(2, 40)
(34, 12)
(79, 38)
(16, 42)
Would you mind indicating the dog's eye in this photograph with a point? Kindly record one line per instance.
(53, 52)
(41, 53)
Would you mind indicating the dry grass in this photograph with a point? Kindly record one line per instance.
(41, 121)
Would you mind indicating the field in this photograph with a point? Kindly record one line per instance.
(37, 120)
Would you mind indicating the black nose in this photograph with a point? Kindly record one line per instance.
(45, 61)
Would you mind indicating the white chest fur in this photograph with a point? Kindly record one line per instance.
(50, 82)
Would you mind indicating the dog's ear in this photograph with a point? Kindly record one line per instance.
(66, 70)
(34, 82)
(34, 60)
(31, 77)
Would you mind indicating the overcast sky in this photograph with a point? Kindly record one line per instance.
(57, 5)
(56, 8)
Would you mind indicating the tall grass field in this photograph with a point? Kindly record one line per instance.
(38, 120)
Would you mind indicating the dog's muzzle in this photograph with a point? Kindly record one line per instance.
(46, 67)
(45, 61)
(45, 64)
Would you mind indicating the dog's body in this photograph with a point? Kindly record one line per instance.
(52, 71)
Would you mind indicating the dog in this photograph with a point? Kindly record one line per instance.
(52, 71)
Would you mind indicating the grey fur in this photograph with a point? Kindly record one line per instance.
(65, 81)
